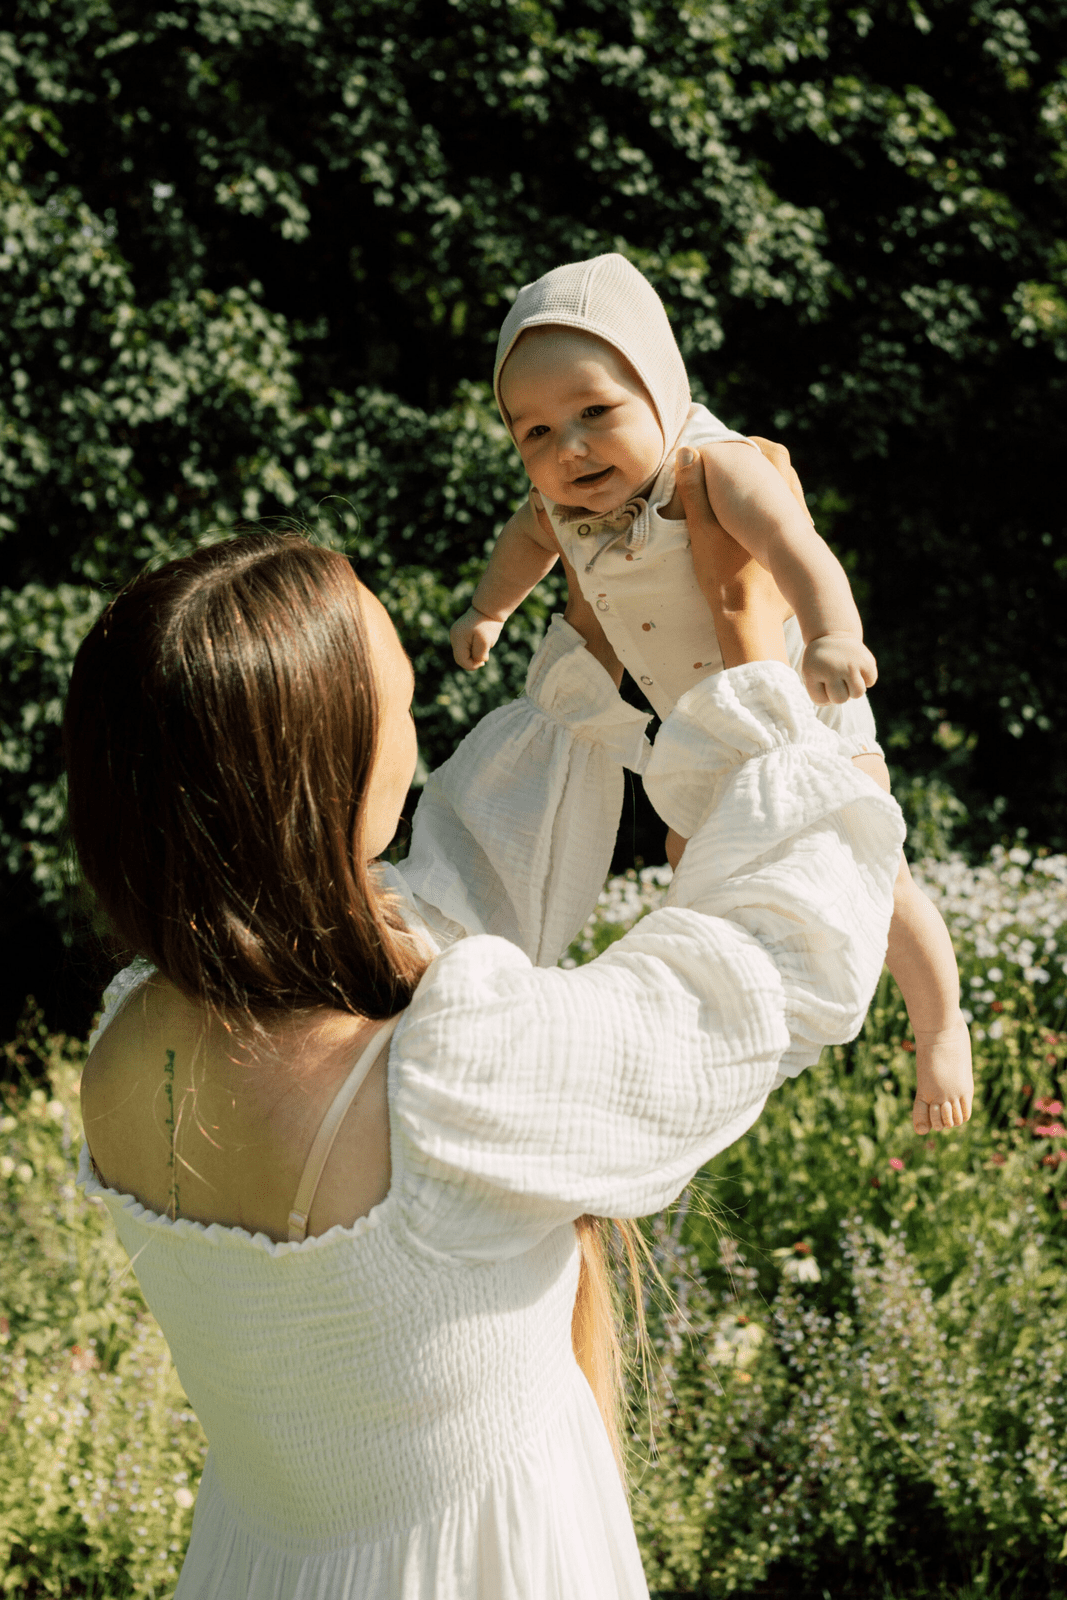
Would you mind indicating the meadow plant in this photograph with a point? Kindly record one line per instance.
(99, 1453)
(862, 1347)
(858, 1374)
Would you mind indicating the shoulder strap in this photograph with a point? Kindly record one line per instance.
(329, 1128)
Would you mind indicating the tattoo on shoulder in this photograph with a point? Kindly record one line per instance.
(171, 1126)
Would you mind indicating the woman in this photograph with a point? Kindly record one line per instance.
(379, 1335)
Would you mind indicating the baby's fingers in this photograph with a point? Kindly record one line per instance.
(461, 642)
(468, 648)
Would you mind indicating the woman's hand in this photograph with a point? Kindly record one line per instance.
(778, 456)
(746, 604)
(579, 613)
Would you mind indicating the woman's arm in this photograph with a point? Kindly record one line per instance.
(754, 504)
(524, 1098)
(514, 834)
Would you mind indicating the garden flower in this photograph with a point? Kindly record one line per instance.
(798, 1263)
(896, 1164)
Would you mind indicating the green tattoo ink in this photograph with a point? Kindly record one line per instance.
(170, 1125)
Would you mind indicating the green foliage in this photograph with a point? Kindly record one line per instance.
(100, 1455)
(254, 256)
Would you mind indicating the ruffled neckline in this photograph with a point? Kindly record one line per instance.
(221, 1232)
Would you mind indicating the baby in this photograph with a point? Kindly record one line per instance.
(592, 387)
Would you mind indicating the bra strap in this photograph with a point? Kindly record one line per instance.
(329, 1129)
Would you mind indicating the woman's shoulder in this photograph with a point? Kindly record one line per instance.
(197, 1117)
(463, 985)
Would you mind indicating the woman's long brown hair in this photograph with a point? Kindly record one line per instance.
(219, 731)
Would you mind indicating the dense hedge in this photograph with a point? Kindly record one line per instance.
(254, 253)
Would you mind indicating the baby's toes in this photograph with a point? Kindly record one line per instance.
(920, 1116)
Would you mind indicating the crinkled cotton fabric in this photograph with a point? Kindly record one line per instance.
(394, 1411)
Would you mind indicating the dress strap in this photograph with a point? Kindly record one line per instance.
(329, 1128)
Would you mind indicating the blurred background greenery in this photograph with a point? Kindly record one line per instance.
(254, 254)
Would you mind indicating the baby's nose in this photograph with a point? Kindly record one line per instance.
(572, 443)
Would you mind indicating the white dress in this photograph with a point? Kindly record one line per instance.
(394, 1411)
(637, 571)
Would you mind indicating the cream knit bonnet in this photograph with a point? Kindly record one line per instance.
(607, 296)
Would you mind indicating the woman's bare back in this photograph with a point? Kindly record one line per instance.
(194, 1124)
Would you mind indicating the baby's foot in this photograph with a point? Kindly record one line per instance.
(944, 1080)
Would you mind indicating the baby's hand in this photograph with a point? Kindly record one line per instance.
(837, 667)
(944, 1081)
(473, 636)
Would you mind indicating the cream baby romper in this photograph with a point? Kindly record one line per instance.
(634, 565)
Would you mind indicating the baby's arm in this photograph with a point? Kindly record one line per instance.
(754, 504)
(521, 557)
(922, 960)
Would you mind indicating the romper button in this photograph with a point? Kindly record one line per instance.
(646, 680)
(602, 605)
(583, 527)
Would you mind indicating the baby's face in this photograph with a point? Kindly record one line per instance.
(585, 427)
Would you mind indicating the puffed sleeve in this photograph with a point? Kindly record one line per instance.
(514, 834)
(522, 1098)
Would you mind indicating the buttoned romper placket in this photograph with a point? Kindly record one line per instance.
(635, 568)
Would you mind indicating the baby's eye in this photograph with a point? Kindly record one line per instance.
(538, 431)
(594, 411)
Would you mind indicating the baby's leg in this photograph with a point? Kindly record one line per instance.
(921, 958)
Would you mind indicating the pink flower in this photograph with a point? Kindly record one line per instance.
(1054, 1108)
(896, 1164)
(1041, 1105)
(1050, 1130)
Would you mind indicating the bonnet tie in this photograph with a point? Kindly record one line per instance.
(626, 524)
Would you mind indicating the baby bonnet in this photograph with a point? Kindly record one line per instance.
(607, 296)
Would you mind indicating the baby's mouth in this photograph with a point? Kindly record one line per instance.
(590, 479)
